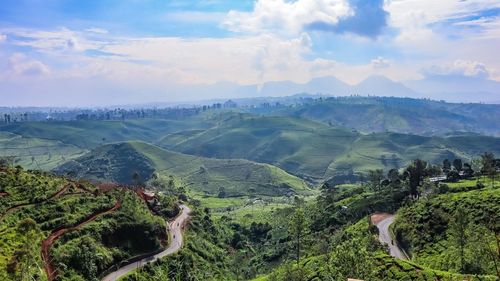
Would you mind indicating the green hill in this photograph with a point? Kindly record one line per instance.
(299, 146)
(402, 115)
(91, 133)
(316, 151)
(118, 162)
(37, 153)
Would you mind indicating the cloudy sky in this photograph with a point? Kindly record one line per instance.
(73, 52)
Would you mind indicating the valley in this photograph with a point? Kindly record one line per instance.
(235, 195)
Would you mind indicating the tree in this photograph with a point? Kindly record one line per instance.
(458, 232)
(468, 171)
(457, 164)
(297, 228)
(393, 175)
(376, 176)
(136, 178)
(222, 192)
(453, 176)
(415, 173)
(446, 166)
(488, 166)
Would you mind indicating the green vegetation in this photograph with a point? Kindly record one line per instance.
(316, 151)
(36, 153)
(202, 176)
(455, 232)
(89, 134)
(252, 219)
(36, 204)
(401, 115)
(203, 257)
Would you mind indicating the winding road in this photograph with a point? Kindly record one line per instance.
(383, 221)
(175, 228)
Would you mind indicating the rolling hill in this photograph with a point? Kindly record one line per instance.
(37, 153)
(401, 115)
(316, 151)
(92, 133)
(117, 162)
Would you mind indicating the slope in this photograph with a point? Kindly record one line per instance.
(118, 162)
(299, 146)
(315, 151)
(402, 115)
(91, 133)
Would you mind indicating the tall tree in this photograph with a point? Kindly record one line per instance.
(468, 171)
(488, 166)
(298, 227)
(415, 173)
(376, 176)
(457, 164)
(458, 231)
(446, 166)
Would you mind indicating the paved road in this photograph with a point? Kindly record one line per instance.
(175, 230)
(385, 238)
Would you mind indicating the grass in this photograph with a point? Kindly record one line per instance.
(471, 183)
(315, 151)
(36, 153)
(89, 134)
(210, 177)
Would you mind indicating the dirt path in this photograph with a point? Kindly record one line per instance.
(383, 221)
(18, 206)
(176, 227)
(47, 243)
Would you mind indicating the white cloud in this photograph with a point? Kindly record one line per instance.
(53, 41)
(460, 68)
(3, 37)
(97, 30)
(380, 62)
(414, 18)
(287, 17)
(20, 65)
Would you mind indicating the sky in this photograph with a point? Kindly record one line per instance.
(73, 52)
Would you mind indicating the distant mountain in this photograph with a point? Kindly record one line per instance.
(328, 85)
(382, 86)
(324, 85)
(457, 88)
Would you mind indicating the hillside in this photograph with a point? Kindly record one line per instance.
(401, 115)
(316, 151)
(54, 228)
(91, 133)
(454, 232)
(118, 162)
(37, 153)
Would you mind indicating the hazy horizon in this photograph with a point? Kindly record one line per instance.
(90, 53)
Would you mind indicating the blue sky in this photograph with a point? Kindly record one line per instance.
(149, 45)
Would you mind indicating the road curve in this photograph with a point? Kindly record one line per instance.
(385, 237)
(175, 228)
